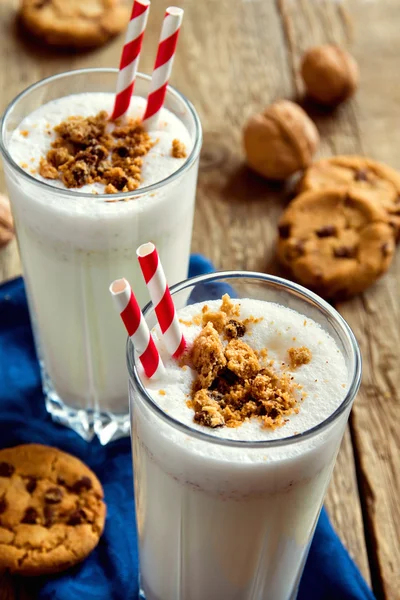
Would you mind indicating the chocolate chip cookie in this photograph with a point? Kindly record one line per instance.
(335, 242)
(51, 510)
(376, 181)
(75, 23)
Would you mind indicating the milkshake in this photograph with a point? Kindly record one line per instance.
(235, 445)
(75, 235)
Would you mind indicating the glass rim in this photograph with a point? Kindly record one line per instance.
(121, 195)
(324, 306)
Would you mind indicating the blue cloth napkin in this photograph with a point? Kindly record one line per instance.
(111, 571)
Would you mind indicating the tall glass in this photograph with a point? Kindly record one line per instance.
(73, 245)
(223, 519)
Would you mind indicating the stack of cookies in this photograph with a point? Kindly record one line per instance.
(338, 235)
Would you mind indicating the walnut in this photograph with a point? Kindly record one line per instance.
(6, 221)
(330, 74)
(280, 141)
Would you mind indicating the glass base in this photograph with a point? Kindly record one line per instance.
(106, 426)
(142, 595)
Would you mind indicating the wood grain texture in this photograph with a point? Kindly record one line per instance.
(235, 57)
(366, 125)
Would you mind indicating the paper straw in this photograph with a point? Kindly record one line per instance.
(160, 295)
(136, 327)
(130, 57)
(163, 65)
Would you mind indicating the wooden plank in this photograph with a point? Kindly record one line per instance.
(229, 65)
(367, 125)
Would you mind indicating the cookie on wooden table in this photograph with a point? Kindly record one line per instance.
(75, 23)
(52, 511)
(377, 181)
(335, 241)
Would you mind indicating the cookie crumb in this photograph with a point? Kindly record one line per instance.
(231, 385)
(162, 392)
(85, 152)
(234, 329)
(24, 133)
(186, 323)
(299, 356)
(46, 170)
(207, 355)
(178, 149)
(218, 320)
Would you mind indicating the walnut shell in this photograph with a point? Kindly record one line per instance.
(280, 141)
(6, 221)
(330, 74)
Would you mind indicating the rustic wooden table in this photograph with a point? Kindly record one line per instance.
(234, 57)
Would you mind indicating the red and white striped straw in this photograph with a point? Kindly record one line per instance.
(163, 65)
(130, 57)
(136, 327)
(161, 297)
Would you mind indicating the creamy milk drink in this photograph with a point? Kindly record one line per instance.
(228, 483)
(78, 228)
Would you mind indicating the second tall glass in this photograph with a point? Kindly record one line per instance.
(73, 245)
(224, 519)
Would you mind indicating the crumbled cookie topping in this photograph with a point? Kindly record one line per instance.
(178, 149)
(86, 152)
(299, 356)
(235, 383)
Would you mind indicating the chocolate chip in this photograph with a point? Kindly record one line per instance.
(348, 200)
(84, 483)
(284, 231)
(30, 516)
(326, 231)
(273, 413)
(6, 470)
(122, 151)
(53, 495)
(120, 182)
(217, 396)
(80, 173)
(3, 505)
(224, 381)
(345, 252)
(61, 480)
(99, 151)
(204, 418)
(386, 249)
(235, 329)
(49, 516)
(87, 157)
(31, 485)
(77, 517)
(361, 175)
